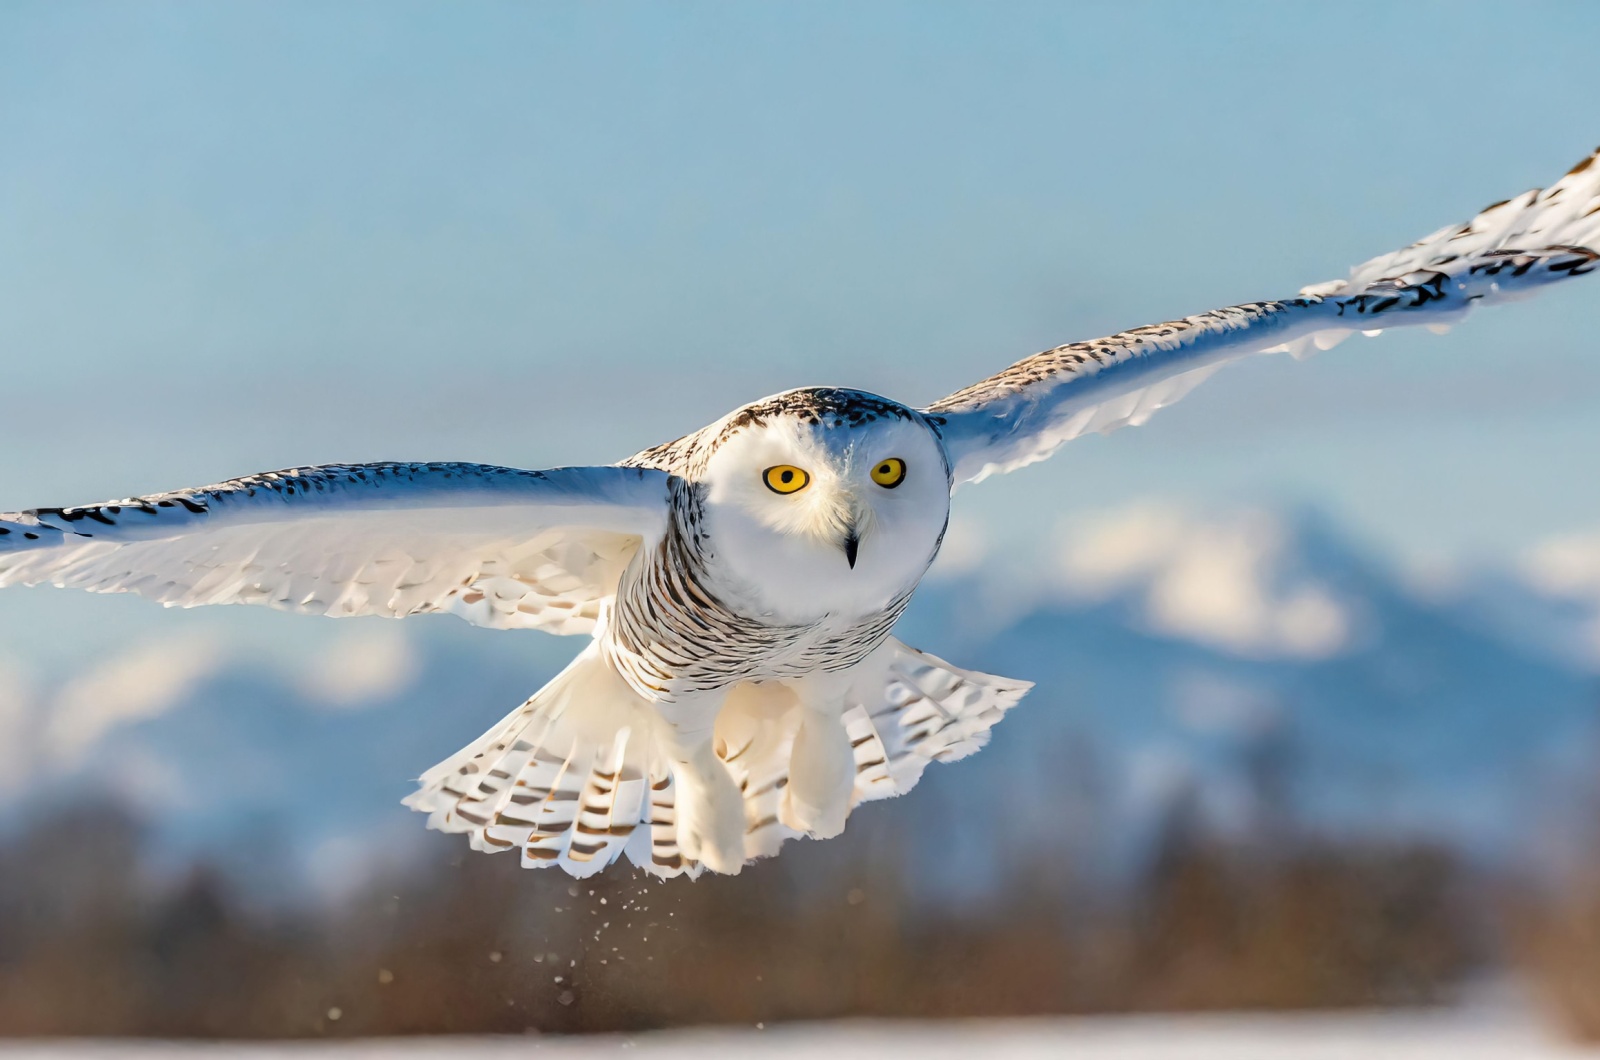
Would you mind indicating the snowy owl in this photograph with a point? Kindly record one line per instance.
(740, 585)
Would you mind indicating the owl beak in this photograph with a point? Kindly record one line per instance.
(851, 542)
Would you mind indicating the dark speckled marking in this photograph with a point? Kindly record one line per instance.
(1068, 359)
(1406, 287)
(291, 483)
(826, 406)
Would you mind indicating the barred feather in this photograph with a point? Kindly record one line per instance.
(548, 780)
(1511, 249)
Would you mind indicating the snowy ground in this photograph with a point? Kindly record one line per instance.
(1490, 1034)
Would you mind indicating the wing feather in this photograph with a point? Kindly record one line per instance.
(1509, 250)
(500, 547)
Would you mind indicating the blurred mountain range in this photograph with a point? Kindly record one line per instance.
(1258, 663)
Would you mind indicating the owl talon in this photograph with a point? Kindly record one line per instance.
(818, 822)
(711, 820)
(821, 778)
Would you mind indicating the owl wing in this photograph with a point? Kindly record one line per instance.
(498, 546)
(1022, 414)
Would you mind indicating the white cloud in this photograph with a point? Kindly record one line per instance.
(1227, 581)
(361, 667)
(1566, 566)
(143, 682)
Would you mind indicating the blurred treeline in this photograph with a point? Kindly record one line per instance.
(1275, 919)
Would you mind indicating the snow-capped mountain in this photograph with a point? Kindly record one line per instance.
(1254, 660)
(1192, 653)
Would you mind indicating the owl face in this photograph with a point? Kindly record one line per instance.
(813, 516)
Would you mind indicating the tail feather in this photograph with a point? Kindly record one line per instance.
(657, 851)
(569, 778)
(573, 778)
(921, 710)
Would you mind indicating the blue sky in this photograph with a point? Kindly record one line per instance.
(249, 235)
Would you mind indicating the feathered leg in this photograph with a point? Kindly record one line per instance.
(710, 807)
(821, 766)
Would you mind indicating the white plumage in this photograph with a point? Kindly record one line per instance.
(740, 584)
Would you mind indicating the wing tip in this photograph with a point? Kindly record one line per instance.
(1585, 163)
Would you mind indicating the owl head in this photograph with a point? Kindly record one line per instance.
(824, 502)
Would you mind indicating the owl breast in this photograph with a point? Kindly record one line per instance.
(670, 630)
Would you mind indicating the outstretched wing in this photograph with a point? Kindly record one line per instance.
(1024, 413)
(498, 546)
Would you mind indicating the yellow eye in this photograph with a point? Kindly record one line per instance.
(889, 473)
(785, 478)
